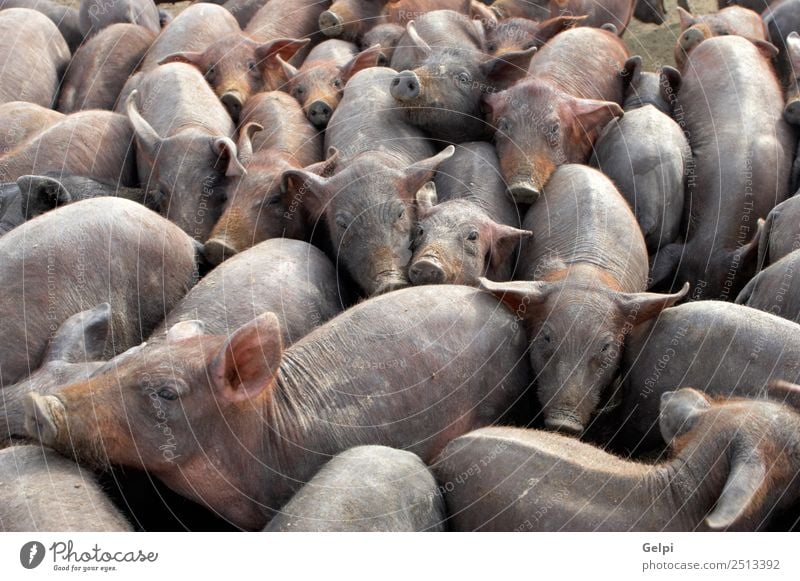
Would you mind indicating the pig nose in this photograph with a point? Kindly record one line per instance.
(792, 112)
(405, 86)
(524, 192)
(217, 250)
(233, 103)
(564, 425)
(319, 113)
(330, 24)
(691, 38)
(426, 271)
(39, 419)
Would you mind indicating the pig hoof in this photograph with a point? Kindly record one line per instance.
(792, 112)
(524, 193)
(564, 425)
(39, 422)
(217, 250)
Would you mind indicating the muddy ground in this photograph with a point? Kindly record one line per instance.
(653, 43)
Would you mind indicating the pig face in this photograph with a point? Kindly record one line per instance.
(456, 243)
(187, 172)
(170, 407)
(370, 213)
(238, 67)
(349, 19)
(539, 128)
(756, 439)
(651, 11)
(577, 332)
(319, 89)
(520, 34)
(386, 36)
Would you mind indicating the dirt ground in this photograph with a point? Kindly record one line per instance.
(653, 43)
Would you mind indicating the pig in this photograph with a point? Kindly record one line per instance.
(579, 292)
(387, 36)
(238, 66)
(96, 144)
(536, 10)
(245, 390)
(76, 350)
(32, 69)
(318, 84)
(32, 195)
(617, 13)
(256, 208)
(468, 226)
(780, 235)
(291, 278)
(101, 67)
(724, 349)
(46, 261)
(42, 491)
(64, 17)
(289, 19)
(650, 11)
(442, 92)
(351, 19)
(718, 254)
(20, 120)
(554, 116)
(646, 154)
(731, 467)
(184, 146)
(95, 15)
(365, 489)
(775, 289)
(731, 20)
(369, 221)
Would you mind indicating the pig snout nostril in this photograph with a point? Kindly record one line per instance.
(405, 86)
(426, 272)
(320, 113)
(330, 24)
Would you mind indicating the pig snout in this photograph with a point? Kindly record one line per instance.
(330, 24)
(319, 113)
(233, 102)
(524, 191)
(217, 250)
(405, 86)
(426, 270)
(41, 416)
(792, 110)
(691, 38)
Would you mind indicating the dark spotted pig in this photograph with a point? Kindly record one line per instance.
(732, 467)
(270, 418)
(584, 270)
(365, 489)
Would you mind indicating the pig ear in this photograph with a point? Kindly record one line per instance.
(225, 148)
(785, 392)
(267, 54)
(641, 307)
(631, 71)
(246, 141)
(504, 241)
(686, 19)
(41, 194)
(190, 58)
(289, 70)
(679, 412)
(248, 362)
(742, 491)
(363, 60)
(768, 50)
(422, 171)
(82, 337)
(426, 197)
(671, 81)
(509, 65)
(595, 114)
(518, 295)
(146, 136)
(308, 181)
(480, 11)
(549, 28)
(185, 330)
(416, 40)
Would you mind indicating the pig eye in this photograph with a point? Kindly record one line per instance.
(337, 83)
(473, 235)
(167, 393)
(464, 78)
(420, 231)
(210, 73)
(401, 213)
(607, 346)
(251, 66)
(274, 200)
(299, 91)
(341, 222)
(503, 125)
(492, 47)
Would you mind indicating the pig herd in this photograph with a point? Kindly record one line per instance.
(398, 265)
